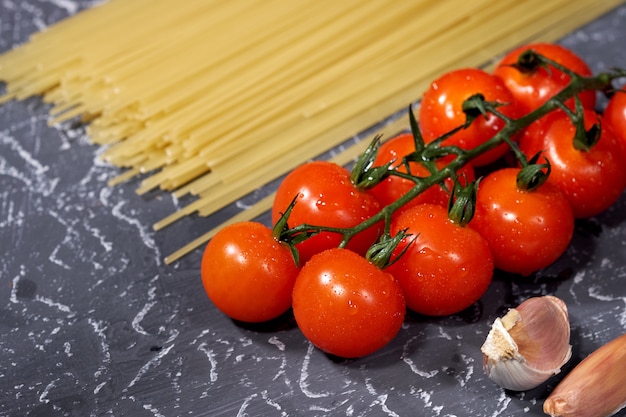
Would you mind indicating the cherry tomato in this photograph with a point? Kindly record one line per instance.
(345, 305)
(526, 230)
(532, 89)
(441, 110)
(247, 273)
(326, 197)
(615, 116)
(592, 180)
(447, 268)
(393, 187)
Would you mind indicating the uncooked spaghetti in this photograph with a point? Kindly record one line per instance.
(217, 98)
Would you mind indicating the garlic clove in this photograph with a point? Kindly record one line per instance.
(596, 387)
(529, 344)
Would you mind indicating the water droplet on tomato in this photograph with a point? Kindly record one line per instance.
(353, 308)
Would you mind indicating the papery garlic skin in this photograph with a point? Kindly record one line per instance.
(596, 387)
(506, 366)
(528, 345)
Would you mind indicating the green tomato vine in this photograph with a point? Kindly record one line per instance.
(365, 175)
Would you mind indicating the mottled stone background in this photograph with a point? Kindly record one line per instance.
(93, 323)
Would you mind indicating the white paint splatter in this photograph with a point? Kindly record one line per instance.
(606, 263)
(44, 394)
(9, 5)
(212, 357)
(382, 400)
(443, 334)
(201, 335)
(174, 333)
(242, 410)
(69, 6)
(145, 234)
(99, 329)
(61, 307)
(304, 375)
(67, 348)
(406, 359)
(54, 258)
(41, 186)
(425, 397)
(99, 387)
(37, 168)
(595, 292)
(438, 409)
(156, 361)
(242, 205)
(14, 284)
(14, 217)
(282, 369)
(272, 403)
(503, 401)
(140, 316)
(155, 411)
(464, 377)
(104, 195)
(97, 233)
(369, 387)
(274, 340)
(578, 278)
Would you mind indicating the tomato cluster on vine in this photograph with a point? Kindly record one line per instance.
(491, 176)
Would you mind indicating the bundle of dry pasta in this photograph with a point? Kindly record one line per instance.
(215, 98)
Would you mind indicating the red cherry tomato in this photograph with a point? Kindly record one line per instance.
(441, 110)
(615, 116)
(345, 305)
(393, 187)
(447, 268)
(534, 88)
(526, 230)
(247, 273)
(592, 180)
(326, 197)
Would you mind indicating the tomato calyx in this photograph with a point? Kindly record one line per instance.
(462, 203)
(381, 253)
(364, 174)
(529, 61)
(584, 139)
(476, 105)
(533, 175)
(282, 233)
(292, 236)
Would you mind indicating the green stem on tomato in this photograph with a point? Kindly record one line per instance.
(584, 139)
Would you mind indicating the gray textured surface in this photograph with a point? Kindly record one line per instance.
(93, 323)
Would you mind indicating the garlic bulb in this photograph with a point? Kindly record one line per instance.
(529, 344)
